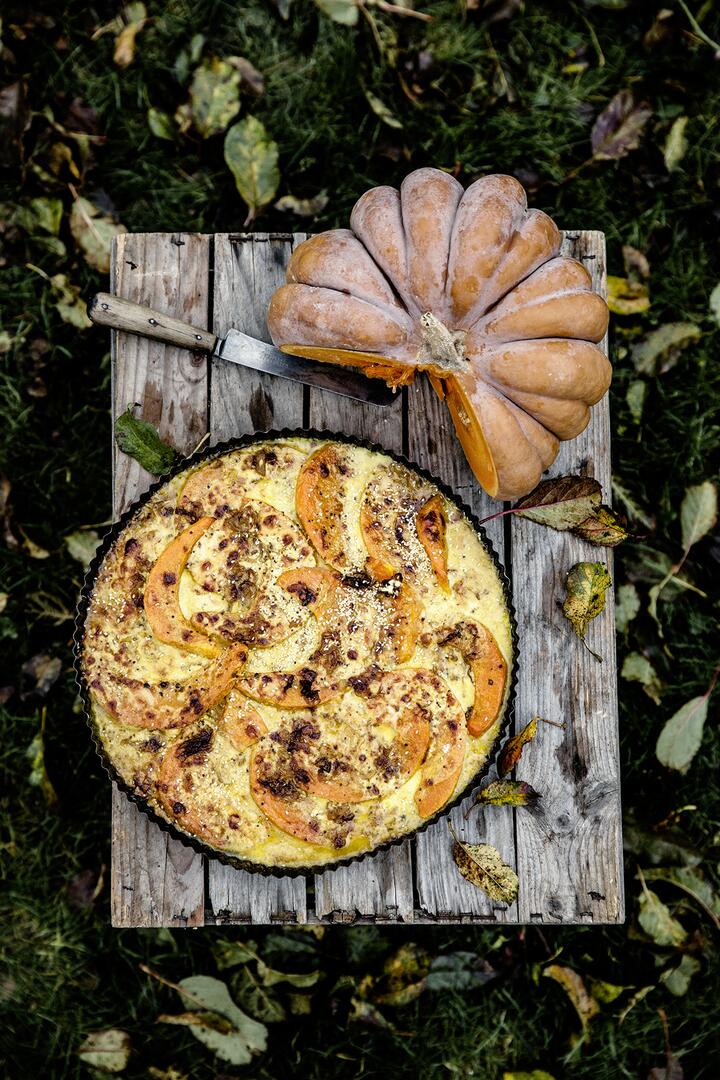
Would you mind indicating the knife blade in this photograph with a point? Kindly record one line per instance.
(237, 348)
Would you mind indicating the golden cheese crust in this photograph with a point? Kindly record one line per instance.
(297, 651)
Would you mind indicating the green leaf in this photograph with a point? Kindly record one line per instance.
(38, 773)
(340, 11)
(69, 303)
(619, 126)
(482, 866)
(586, 584)
(82, 545)
(585, 1004)
(661, 349)
(635, 398)
(690, 881)
(252, 158)
(513, 748)
(605, 993)
(108, 1050)
(214, 95)
(229, 954)
(259, 1002)
(627, 297)
(680, 738)
(93, 233)
(459, 971)
(140, 440)
(714, 303)
(698, 513)
(627, 605)
(637, 668)
(677, 979)
(246, 1037)
(603, 528)
(507, 793)
(161, 124)
(269, 977)
(382, 111)
(561, 503)
(676, 144)
(657, 922)
(42, 214)
(536, 1074)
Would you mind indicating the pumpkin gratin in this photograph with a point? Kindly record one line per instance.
(296, 651)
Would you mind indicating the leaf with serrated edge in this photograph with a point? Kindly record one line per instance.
(140, 440)
(513, 748)
(482, 866)
(252, 157)
(507, 793)
(108, 1050)
(680, 738)
(585, 1004)
(586, 584)
(561, 503)
(698, 513)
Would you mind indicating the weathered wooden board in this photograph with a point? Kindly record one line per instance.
(567, 852)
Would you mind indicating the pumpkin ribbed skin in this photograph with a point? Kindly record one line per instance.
(468, 286)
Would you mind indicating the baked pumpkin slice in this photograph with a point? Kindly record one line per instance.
(480, 651)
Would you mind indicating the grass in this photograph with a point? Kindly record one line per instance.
(489, 95)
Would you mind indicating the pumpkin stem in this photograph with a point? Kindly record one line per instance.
(441, 348)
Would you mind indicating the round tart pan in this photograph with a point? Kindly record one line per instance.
(81, 616)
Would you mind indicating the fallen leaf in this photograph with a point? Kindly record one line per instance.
(44, 214)
(676, 145)
(171, 1073)
(161, 124)
(38, 773)
(363, 1012)
(636, 263)
(626, 297)
(618, 128)
(513, 748)
(657, 922)
(698, 513)
(303, 207)
(269, 977)
(252, 157)
(300, 1004)
(38, 675)
(403, 977)
(507, 793)
(214, 95)
(282, 7)
(605, 993)
(680, 738)
(93, 232)
(634, 1000)
(228, 954)
(536, 1074)
(382, 111)
(691, 881)
(35, 551)
(108, 1050)
(135, 16)
(586, 584)
(561, 503)
(482, 866)
(677, 979)
(251, 79)
(714, 303)
(627, 605)
(340, 11)
(585, 1004)
(459, 971)
(15, 118)
(187, 58)
(140, 440)
(84, 888)
(210, 1021)
(82, 545)
(671, 1070)
(604, 528)
(637, 668)
(661, 349)
(69, 303)
(3, 601)
(245, 1037)
(262, 1004)
(635, 398)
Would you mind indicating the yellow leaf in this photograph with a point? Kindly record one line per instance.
(627, 297)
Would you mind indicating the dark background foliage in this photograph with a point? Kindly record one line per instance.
(501, 87)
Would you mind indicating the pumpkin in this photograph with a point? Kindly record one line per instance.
(470, 287)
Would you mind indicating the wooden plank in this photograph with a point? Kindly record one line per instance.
(156, 880)
(247, 270)
(442, 893)
(381, 885)
(570, 847)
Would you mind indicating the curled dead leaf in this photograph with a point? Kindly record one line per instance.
(513, 748)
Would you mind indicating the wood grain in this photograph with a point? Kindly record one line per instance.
(570, 847)
(155, 879)
(247, 270)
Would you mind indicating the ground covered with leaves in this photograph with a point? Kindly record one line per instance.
(180, 116)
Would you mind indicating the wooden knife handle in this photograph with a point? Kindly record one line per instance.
(108, 310)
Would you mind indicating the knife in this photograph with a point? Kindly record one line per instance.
(108, 310)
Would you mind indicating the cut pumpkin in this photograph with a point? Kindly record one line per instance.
(480, 651)
(433, 278)
(240, 723)
(431, 525)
